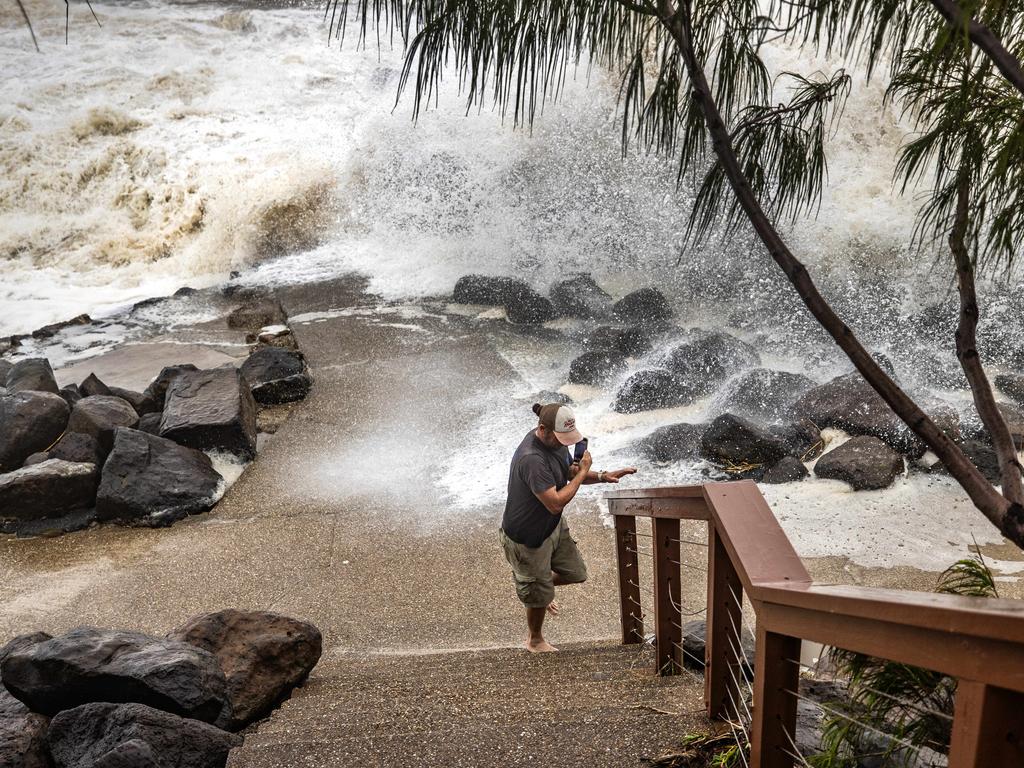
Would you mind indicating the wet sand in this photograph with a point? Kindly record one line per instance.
(339, 520)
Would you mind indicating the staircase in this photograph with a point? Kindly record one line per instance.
(589, 705)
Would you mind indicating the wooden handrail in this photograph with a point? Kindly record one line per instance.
(979, 641)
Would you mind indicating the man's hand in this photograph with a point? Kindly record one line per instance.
(616, 474)
(586, 462)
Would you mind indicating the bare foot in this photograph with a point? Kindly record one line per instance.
(540, 646)
(553, 608)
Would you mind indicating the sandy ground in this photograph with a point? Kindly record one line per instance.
(338, 521)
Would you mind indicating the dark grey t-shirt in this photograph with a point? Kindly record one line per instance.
(535, 468)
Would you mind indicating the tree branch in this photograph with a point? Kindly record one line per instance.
(1009, 518)
(984, 38)
(967, 353)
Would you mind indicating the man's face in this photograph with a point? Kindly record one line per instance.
(547, 437)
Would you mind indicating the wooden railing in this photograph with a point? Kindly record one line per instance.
(977, 641)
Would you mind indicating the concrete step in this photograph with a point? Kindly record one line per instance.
(589, 705)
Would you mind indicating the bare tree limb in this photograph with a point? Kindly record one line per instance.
(28, 23)
(985, 39)
(1007, 516)
(970, 361)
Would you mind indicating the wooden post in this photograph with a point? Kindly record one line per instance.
(722, 641)
(667, 617)
(988, 727)
(774, 709)
(629, 580)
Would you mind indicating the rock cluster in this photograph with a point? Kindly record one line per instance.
(96, 697)
(95, 452)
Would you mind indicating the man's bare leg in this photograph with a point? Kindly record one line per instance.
(535, 622)
(558, 581)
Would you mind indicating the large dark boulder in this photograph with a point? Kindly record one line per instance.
(93, 386)
(32, 374)
(580, 296)
(49, 489)
(735, 440)
(707, 361)
(264, 656)
(277, 375)
(485, 289)
(788, 469)
(1012, 385)
(29, 422)
(23, 739)
(149, 480)
(257, 312)
(5, 368)
(765, 395)
(652, 388)
(864, 462)
(157, 389)
(631, 342)
(674, 442)
(142, 402)
(596, 368)
(646, 306)
(802, 439)
(109, 735)
(211, 410)
(527, 307)
(982, 455)
(88, 664)
(71, 394)
(695, 642)
(98, 416)
(150, 423)
(849, 403)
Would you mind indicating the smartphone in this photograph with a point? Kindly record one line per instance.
(579, 450)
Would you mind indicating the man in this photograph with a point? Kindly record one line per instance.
(542, 481)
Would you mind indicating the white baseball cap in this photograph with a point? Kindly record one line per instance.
(561, 420)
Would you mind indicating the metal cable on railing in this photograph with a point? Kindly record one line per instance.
(686, 565)
(640, 552)
(687, 541)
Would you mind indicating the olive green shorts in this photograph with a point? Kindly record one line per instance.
(532, 567)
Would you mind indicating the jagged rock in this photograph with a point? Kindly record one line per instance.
(736, 440)
(596, 368)
(258, 312)
(36, 458)
(17, 644)
(580, 296)
(675, 442)
(645, 306)
(695, 639)
(707, 361)
(150, 423)
(264, 656)
(5, 368)
(527, 307)
(78, 448)
(788, 469)
(157, 388)
(71, 394)
(149, 480)
(277, 375)
(211, 410)
(487, 290)
(142, 402)
(29, 422)
(547, 396)
(50, 489)
(185, 290)
(652, 388)
(105, 735)
(48, 331)
(630, 342)
(89, 664)
(99, 415)
(765, 395)
(849, 403)
(274, 336)
(864, 462)
(33, 374)
(93, 386)
(802, 439)
(23, 741)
